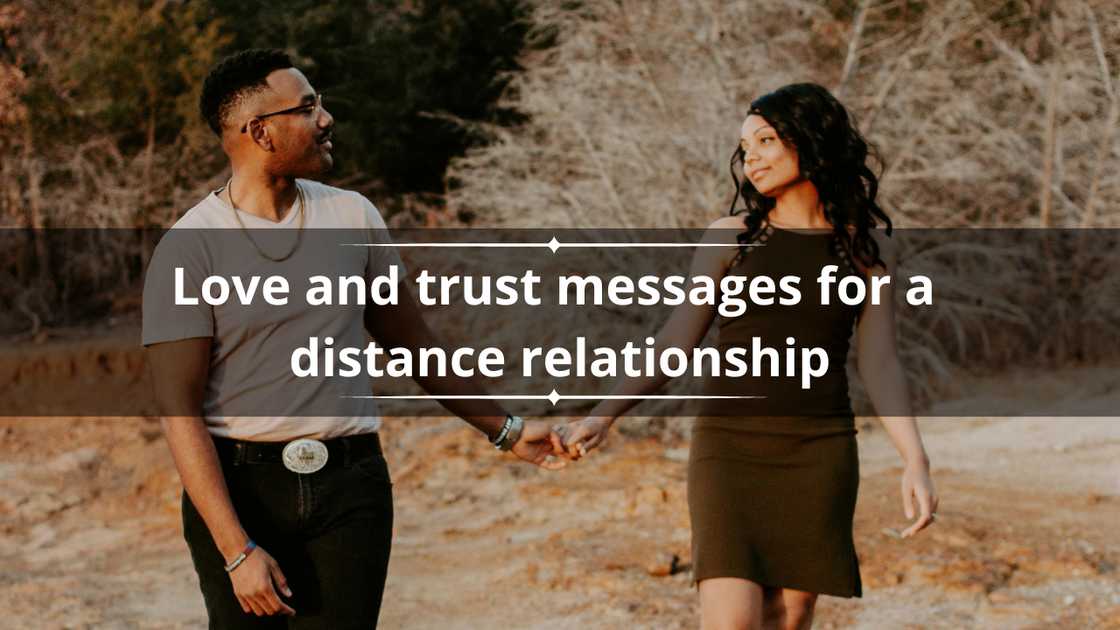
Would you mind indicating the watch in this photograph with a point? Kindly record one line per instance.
(510, 433)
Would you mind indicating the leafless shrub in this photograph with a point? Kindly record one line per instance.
(987, 114)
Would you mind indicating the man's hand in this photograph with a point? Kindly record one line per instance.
(537, 446)
(253, 584)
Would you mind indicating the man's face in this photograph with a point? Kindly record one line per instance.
(301, 139)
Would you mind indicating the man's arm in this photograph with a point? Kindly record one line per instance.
(179, 371)
(402, 325)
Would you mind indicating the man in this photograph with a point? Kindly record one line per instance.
(288, 517)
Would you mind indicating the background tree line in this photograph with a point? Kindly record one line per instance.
(407, 81)
(99, 123)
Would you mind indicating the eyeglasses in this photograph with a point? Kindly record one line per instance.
(307, 108)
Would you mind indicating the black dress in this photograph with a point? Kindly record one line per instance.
(772, 483)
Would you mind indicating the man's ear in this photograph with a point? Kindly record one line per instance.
(259, 133)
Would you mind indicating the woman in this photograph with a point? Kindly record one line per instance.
(771, 496)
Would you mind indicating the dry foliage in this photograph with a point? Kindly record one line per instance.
(987, 114)
(636, 111)
(60, 171)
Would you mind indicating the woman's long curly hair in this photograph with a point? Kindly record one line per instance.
(831, 154)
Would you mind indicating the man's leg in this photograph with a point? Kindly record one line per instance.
(222, 607)
(348, 551)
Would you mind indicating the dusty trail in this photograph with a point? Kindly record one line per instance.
(89, 530)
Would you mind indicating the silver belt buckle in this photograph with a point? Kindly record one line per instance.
(305, 456)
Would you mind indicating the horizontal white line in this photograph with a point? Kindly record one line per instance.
(652, 396)
(510, 245)
(547, 397)
(457, 397)
(547, 246)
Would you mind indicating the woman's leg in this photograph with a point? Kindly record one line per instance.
(773, 609)
(787, 609)
(730, 604)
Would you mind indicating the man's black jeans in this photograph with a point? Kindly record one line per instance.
(330, 531)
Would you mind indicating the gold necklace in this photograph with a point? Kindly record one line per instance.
(245, 231)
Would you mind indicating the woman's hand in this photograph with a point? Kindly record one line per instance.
(917, 487)
(583, 435)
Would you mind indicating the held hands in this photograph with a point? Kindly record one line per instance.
(551, 447)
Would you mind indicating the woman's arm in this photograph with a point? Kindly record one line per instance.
(685, 329)
(885, 382)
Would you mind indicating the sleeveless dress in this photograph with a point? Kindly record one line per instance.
(772, 482)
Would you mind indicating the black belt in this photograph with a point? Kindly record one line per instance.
(340, 451)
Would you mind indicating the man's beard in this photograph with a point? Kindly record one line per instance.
(312, 164)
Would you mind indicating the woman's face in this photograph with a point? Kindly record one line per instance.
(768, 163)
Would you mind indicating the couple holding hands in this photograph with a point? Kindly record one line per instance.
(289, 519)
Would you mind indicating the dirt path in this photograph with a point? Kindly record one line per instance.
(89, 532)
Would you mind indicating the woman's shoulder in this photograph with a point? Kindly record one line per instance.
(725, 229)
(731, 222)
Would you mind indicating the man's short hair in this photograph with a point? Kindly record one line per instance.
(235, 78)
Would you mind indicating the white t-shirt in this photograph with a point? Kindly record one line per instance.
(250, 368)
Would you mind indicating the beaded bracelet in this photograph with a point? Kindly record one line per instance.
(236, 562)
